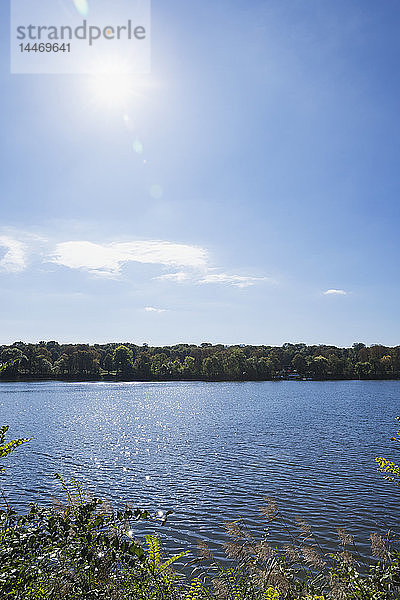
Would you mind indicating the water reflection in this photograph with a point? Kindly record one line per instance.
(211, 452)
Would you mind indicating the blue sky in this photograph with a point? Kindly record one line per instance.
(255, 170)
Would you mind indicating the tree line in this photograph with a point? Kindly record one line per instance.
(52, 360)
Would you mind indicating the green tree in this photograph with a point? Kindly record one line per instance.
(44, 366)
(363, 370)
(23, 364)
(299, 363)
(62, 365)
(212, 367)
(157, 365)
(123, 360)
(189, 367)
(251, 368)
(234, 365)
(336, 366)
(9, 359)
(143, 366)
(108, 362)
(85, 361)
(265, 368)
(387, 363)
(319, 367)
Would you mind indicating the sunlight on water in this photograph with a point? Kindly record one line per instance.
(211, 452)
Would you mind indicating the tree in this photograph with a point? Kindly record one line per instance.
(363, 369)
(108, 362)
(9, 360)
(387, 363)
(357, 346)
(251, 368)
(85, 361)
(23, 364)
(123, 360)
(157, 364)
(235, 364)
(265, 368)
(299, 363)
(44, 366)
(143, 366)
(319, 367)
(212, 367)
(189, 367)
(62, 365)
(336, 366)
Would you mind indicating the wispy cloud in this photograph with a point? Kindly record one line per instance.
(183, 263)
(14, 260)
(151, 309)
(240, 281)
(210, 276)
(335, 293)
(178, 277)
(108, 259)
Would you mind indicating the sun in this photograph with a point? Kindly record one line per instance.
(112, 84)
(111, 91)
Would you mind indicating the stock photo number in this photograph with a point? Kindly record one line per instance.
(45, 47)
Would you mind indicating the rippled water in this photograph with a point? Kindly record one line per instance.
(212, 451)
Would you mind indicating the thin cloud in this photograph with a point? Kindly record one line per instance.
(335, 293)
(14, 260)
(151, 309)
(178, 277)
(108, 259)
(184, 263)
(240, 281)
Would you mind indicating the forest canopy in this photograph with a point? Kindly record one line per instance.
(127, 361)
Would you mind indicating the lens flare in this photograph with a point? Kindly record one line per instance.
(138, 146)
(82, 7)
(156, 192)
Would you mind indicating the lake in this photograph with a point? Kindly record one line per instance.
(212, 451)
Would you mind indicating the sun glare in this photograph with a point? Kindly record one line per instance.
(112, 85)
(112, 91)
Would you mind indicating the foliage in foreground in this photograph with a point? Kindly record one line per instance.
(7, 447)
(79, 550)
(85, 550)
(390, 469)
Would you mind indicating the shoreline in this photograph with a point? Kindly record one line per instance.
(116, 379)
